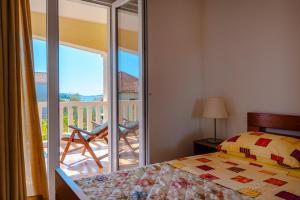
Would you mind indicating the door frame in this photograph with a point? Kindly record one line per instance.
(143, 87)
(52, 40)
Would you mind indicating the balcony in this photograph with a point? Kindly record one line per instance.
(82, 114)
(86, 61)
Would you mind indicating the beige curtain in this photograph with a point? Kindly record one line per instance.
(22, 166)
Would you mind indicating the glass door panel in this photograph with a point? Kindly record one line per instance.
(128, 85)
(83, 78)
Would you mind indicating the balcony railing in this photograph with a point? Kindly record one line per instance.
(82, 113)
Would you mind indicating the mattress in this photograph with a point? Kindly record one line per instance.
(208, 176)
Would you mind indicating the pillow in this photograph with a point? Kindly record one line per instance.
(264, 147)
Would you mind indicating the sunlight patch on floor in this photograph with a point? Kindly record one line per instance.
(77, 165)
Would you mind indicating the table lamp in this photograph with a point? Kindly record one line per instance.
(214, 108)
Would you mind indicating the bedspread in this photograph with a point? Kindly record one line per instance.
(208, 176)
(158, 181)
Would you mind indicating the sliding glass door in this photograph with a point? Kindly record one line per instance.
(83, 87)
(90, 72)
(128, 84)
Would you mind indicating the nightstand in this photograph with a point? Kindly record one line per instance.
(202, 147)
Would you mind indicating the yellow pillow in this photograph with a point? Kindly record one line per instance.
(264, 147)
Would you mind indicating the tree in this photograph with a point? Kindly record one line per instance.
(75, 97)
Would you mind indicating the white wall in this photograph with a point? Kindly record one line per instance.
(174, 76)
(252, 58)
(245, 50)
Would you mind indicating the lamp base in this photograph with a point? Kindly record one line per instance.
(214, 140)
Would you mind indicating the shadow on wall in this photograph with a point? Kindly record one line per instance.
(198, 109)
(182, 141)
(182, 148)
(187, 143)
(197, 114)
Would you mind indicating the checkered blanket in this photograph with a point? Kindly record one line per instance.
(250, 178)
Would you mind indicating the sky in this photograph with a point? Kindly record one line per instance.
(81, 71)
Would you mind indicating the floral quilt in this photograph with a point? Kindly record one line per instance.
(208, 176)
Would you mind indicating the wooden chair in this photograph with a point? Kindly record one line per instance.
(125, 129)
(80, 136)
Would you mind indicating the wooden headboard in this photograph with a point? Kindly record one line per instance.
(263, 121)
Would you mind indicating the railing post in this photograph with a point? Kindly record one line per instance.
(80, 116)
(124, 109)
(130, 111)
(120, 110)
(98, 113)
(136, 110)
(105, 111)
(61, 119)
(70, 117)
(89, 118)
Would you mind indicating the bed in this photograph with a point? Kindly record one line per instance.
(208, 176)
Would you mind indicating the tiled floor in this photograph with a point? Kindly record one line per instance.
(77, 165)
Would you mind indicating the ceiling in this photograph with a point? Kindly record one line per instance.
(131, 6)
(83, 10)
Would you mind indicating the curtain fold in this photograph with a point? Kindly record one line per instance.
(22, 166)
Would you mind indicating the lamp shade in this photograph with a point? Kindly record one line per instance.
(215, 108)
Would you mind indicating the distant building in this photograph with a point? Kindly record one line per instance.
(128, 86)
